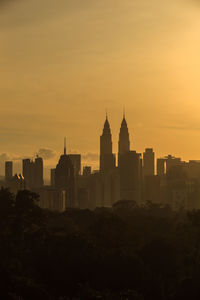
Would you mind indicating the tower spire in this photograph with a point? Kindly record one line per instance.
(124, 112)
(124, 142)
(65, 146)
(107, 159)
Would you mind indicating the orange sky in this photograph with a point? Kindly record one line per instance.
(64, 62)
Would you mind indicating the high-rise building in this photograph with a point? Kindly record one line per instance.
(124, 142)
(38, 173)
(8, 170)
(151, 189)
(107, 158)
(53, 171)
(130, 176)
(76, 162)
(65, 178)
(161, 166)
(33, 173)
(27, 172)
(194, 169)
(172, 161)
(148, 162)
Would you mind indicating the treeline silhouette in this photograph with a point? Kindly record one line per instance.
(125, 252)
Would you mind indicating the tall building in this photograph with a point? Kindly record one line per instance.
(124, 142)
(33, 173)
(27, 169)
(151, 189)
(148, 162)
(53, 171)
(65, 178)
(130, 176)
(8, 170)
(38, 173)
(161, 166)
(194, 169)
(76, 162)
(172, 161)
(107, 158)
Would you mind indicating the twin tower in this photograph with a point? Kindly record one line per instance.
(107, 158)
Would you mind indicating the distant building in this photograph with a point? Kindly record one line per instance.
(8, 170)
(52, 199)
(65, 178)
(161, 166)
(27, 172)
(152, 189)
(107, 168)
(38, 173)
(148, 162)
(130, 176)
(129, 167)
(76, 162)
(33, 173)
(124, 142)
(53, 171)
(172, 161)
(193, 169)
(177, 187)
(107, 158)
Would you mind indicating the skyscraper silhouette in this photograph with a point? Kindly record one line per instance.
(64, 177)
(124, 142)
(33, 173)
(38, 173)
(8, 170)
(107, 158)
(148, 162)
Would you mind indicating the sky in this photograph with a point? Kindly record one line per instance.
(64, 63)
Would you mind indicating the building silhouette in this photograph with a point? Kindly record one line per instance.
(76, 162)
(107, 158)
(38, 173)
(161, 166)
(8, 170)
(148, 162)
(130, 176)
(28, 173)
(124, 141)
(52, 179)
(176, 183)
(33, 173)
(129, 167)
(65, 178)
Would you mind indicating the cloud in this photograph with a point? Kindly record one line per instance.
(4, 157)
(46, 153)
(90, 157)
(10, 157)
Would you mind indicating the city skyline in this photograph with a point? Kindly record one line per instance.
(87, 159)
(73, 60)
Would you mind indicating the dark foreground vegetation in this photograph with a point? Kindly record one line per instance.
(125, 252)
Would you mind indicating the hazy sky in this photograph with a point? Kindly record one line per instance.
(63, 63)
